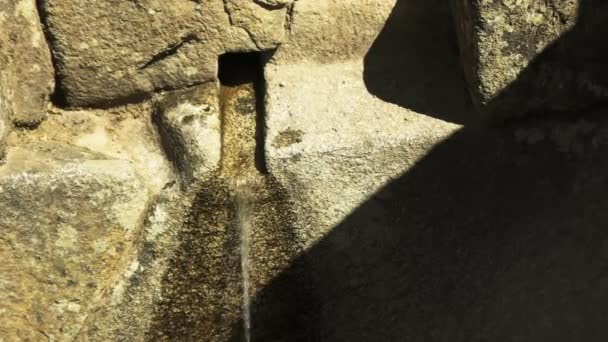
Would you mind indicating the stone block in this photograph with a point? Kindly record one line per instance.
(26, 70)
(533, 57)
(416, 227)
(112, 52)
(69, 218)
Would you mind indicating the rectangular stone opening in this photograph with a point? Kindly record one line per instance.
(238, 72)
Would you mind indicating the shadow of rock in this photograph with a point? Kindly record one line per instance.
(414, 62)
(496, 235)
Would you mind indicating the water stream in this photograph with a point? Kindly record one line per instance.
(243, 195)
(239, 77)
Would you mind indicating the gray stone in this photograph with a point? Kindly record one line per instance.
(112, 52)
(69, 218)
(524, 57)
(26, 71)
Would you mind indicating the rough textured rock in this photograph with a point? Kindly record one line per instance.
(330, 154)
(533, 56)
(125, 133)
(126, 312)
(4, 125)
(69, 217)
(327, 31)
(189, 125)
(264, 27)
(120, 51)
(109, 135)
(26, 71)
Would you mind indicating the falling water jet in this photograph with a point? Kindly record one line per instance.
(240, 76)
(239, 227)
(243, 193)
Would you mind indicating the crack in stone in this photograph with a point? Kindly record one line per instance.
(227, 10)
(250, 35)
(57, 97)
(48, 337)
(231, 21)
(269, 6)
(289, 16)
(170, 51)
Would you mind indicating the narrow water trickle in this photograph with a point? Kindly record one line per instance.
(238, 235)
(240, 75)
(243, 194)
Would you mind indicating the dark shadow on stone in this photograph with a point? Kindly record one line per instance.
(414, 62)
(496, 235)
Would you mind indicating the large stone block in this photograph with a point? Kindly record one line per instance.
(109, 52)
(420, 228)
(26, 71)
(69, 218)
(331, 145)
(533, 56)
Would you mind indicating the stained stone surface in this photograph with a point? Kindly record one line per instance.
(523, 57)
(26, 71)
(112, 52)
(69, 218)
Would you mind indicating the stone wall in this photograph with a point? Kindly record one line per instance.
(297, 170)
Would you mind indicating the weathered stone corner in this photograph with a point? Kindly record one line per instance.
(532, 57)
(188, 122)
(26, 70)
(69, 217)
